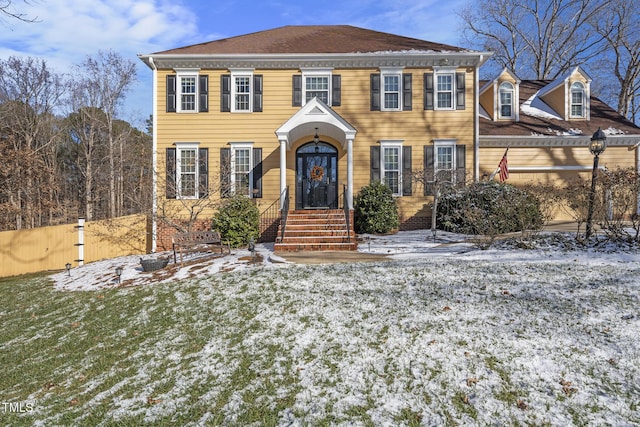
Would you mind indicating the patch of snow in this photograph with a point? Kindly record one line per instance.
(536, 107)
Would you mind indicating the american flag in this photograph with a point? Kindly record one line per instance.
(504, 167)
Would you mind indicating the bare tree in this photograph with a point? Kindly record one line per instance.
(620, 27)
(8, 10)
(29, 96)
(100, 89)
(536, 39)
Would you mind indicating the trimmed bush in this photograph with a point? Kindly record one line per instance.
(488, 208)
(375, 210)
(237, 221)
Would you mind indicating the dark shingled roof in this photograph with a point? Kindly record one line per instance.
(602, 116)
(311, 39)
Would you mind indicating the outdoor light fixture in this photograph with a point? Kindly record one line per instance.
(119, 273)
(597, 145)
(252, 247)
(68, 267)
(316, 140)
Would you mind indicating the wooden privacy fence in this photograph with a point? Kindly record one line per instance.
(50, 248)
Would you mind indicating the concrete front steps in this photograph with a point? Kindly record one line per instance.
(316, 230)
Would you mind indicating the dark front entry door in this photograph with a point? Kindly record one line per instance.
(317, 177)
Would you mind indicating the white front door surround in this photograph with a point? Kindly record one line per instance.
(315, 114)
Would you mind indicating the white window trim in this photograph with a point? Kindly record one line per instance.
(316, 72)
(510, 89)
(180, 146)
(180, 74)
(241, 146)
(584, 101)
(392, 143)
(241, 72)
(441, 71)
(454, 163)
(391, 71)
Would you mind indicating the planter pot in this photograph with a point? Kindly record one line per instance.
(154, 264)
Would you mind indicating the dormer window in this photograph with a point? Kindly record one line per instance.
(505, 106)
(577, 99)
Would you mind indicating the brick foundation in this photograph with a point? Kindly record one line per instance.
(165, 232)
(415, 223)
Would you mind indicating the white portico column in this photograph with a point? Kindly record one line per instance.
(350, 172)
(283, 169)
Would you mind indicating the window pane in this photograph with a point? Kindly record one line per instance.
(445, 91)
(317, 87)
(392, 92)
(188, 93)
(187, 172)
(505, 104)
(242, 169)
(391, 159)
(444, 164)
(243, 90)
(576, 103)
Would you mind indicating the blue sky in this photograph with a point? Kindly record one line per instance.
(69, 30)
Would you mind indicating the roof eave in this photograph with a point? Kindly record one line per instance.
(411, 58)
(503, 141)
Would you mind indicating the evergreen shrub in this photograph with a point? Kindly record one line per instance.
(375, 208)
(237, 220)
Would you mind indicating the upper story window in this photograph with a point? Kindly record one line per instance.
(241, 91)
(577, 100)
(444, 89)
(505, 101)
(187, 91)
(391, 90)
(318, 83)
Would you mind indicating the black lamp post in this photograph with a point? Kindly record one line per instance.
(597, 145)
(119, 273)
(68, 267)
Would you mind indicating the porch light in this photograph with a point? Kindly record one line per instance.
(316, 140)
(597, 145)
(68, 267)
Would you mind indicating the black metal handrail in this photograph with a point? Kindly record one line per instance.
(284, 211)
(269, 216)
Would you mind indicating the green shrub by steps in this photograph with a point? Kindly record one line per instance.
(488, 208)
(238, 220)
(375, 209)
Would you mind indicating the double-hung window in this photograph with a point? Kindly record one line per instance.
(577, 100)
(391, 165)
(391, 93)
(187, 90)
(445, 161)
(444, 91)
(241, 167)
(506, 92)
(186, 170)
(242, 91)
(317, 84)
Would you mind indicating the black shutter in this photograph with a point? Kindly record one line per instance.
(429, 171)
(407, 175)
(203, 173)
(460, 91)
(257, 173)
(375, 163)
(225, 172)
(257, 93)
(171, 173)
(171, 93)
(375, 92)
(407, 103)
(428, 91)
(225, 93)
(461, 171)
(336, 90)
(203, 89)
(297, 90)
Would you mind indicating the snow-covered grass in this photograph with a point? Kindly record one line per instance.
(440, 334)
